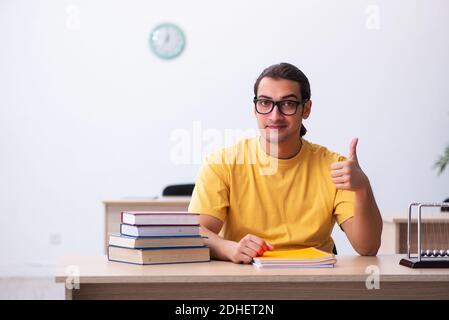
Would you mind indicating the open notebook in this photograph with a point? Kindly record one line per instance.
(296, 258)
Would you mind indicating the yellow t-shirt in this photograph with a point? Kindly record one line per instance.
(291, 203)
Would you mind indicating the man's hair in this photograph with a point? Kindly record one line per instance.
(287, 71)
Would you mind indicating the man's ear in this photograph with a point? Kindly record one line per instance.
(307, 109)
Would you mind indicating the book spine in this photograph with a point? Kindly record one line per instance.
(155, 212)
(156, 263)
(160, 248)
(165, 225)
(139, 230)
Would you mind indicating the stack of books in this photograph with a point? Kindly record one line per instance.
(157, 238)
(298, 258)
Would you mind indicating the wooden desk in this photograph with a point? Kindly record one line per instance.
(101, 279)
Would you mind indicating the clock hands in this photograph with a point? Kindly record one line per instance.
(167, 41)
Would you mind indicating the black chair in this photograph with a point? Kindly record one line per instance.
(334, 250)
(445, 209)
(178, 190)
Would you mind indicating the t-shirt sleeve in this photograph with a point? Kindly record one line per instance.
(211, 193)
(343, 203)
(343, 206)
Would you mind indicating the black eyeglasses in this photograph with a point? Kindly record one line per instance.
(286, 107)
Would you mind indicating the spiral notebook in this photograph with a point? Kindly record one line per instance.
(295, 258)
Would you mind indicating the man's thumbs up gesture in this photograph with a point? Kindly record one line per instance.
(348, 175)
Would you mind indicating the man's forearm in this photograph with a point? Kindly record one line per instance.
(367, 225)
(218, 246)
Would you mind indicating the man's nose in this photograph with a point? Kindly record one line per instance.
(275, 114)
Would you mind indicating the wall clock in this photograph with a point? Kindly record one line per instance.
(167, 41)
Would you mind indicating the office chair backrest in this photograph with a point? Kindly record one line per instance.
(444, 209)
(334, 249)
(178, 190)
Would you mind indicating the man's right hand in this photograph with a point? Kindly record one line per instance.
(247, 248)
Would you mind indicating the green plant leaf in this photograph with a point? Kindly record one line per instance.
(442, 162)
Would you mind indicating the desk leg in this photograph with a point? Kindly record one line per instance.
(68, 294)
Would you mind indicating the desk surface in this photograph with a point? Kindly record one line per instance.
(348, 268)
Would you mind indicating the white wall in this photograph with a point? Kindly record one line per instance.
(87, 114)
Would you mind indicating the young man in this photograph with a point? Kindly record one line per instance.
(246, 208)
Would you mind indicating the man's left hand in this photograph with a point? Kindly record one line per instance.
(347, 175)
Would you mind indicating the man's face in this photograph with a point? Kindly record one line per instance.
(286, 127)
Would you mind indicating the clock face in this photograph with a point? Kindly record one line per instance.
(167, 41)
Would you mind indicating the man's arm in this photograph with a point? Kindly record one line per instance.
(212, 191)
(243, 251)
(365, 228)
(210, 227)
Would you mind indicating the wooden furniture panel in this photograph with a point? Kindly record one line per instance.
(101, 279)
